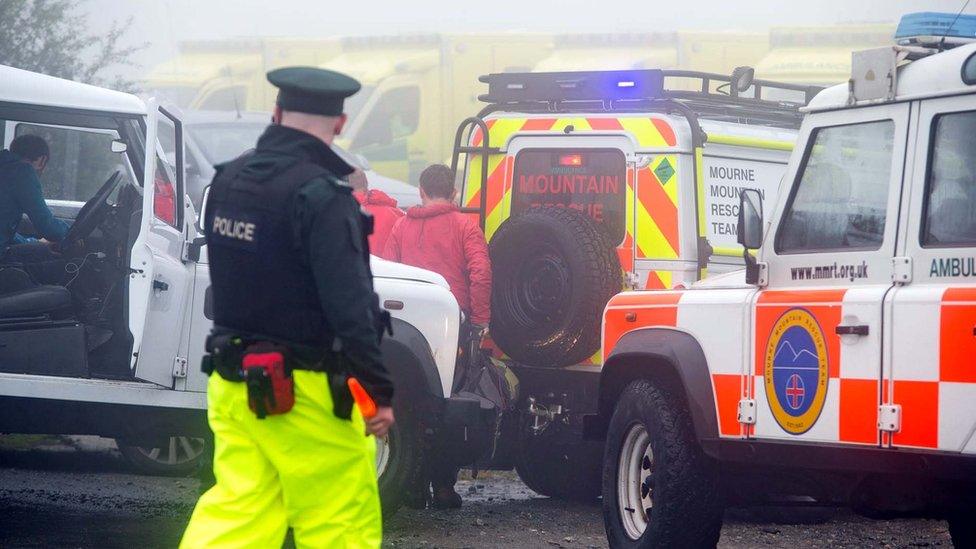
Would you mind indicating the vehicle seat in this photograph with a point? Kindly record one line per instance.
(53, 301)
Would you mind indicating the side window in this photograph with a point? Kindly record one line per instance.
(164, 180)
(225, 99)
(950, 195)
(396, 114)
(81, 161)
(840, 200)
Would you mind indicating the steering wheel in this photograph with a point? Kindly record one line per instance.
(91, 213)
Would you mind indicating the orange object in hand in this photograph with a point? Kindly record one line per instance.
(367, 406)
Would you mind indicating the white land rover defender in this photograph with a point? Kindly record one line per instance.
(841, 368)
(110, 343)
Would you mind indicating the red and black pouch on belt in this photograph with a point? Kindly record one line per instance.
(270, 386)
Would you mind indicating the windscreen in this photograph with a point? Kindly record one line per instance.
(222, 142)
(593, 181)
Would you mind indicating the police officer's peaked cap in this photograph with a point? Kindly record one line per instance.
(312, 90)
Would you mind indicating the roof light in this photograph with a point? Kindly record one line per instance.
(931, 27)
(572, 160)
(626, 84)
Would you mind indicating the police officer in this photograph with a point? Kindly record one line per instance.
(291, 281)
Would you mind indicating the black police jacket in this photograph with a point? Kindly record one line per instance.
(288, 257)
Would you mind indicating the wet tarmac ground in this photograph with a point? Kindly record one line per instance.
(70, 493)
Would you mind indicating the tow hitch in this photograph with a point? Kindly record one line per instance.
(543, 416)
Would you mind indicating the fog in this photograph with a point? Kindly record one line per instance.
(165, 23)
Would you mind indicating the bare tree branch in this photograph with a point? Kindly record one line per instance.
(52, 37)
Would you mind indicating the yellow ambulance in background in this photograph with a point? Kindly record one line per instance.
(717, 52)
(227, 75)
(818, 56)
(416, 89)
(203, 65)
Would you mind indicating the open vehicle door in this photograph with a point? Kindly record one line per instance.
(159, 282)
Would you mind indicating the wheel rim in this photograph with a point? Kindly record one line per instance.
(542, 284)
(177, 451)
(635, 481)
(382, 455)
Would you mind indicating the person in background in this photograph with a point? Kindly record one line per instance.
(380, 205)
(436, 236)
(20, 194)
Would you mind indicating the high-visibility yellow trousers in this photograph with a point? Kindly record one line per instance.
(306, 469)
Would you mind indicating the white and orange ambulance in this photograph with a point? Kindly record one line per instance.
(840, 366)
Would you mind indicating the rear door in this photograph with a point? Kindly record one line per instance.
(932, 382)
(590, 174)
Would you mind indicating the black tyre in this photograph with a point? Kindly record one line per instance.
(559, 470)
(962, 529)
(173, 457)
(399, 462)
(659, 490)
(553, 272)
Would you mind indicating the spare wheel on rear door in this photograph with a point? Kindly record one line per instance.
(554, 269)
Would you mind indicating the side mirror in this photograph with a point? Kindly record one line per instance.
(742, 78)
(750, 224)
(119, 146)
(749, 230)
(203, 210)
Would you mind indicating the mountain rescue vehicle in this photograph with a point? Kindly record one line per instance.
(838, 368)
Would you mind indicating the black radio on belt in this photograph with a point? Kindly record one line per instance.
(265, 368)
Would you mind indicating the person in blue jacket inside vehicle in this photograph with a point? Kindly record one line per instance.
(20, 194)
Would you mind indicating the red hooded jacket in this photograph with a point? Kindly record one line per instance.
(385, 214)
(439, 238)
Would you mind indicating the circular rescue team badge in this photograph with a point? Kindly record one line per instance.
(795, 371)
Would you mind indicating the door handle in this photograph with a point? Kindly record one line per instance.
(852, 329)
(160, 285)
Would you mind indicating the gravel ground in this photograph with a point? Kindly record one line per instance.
(78, 492)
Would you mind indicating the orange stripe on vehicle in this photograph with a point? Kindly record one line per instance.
(475, 200)
(497, 184)
(667, 133)
(538, 124)
(662, 210)
(959, 294)
(500, 196)
(919, 402)
(801, 296)
(957, 336)
(604, 124)
(644, 299)
(728, 391)
(476, 136)
(654, 282)
(616, 322)
(625, 253)
(858, 410)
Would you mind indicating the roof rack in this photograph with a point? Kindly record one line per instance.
(710, 95)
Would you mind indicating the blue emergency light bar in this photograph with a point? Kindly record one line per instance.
(574, 86)
(932, 24)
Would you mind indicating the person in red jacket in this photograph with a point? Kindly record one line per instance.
(380, 205)
(436, 236)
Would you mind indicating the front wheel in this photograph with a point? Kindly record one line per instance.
(174, 456)
(659, 489)
(399, 463)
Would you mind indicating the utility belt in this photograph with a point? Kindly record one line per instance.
(265, 367)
